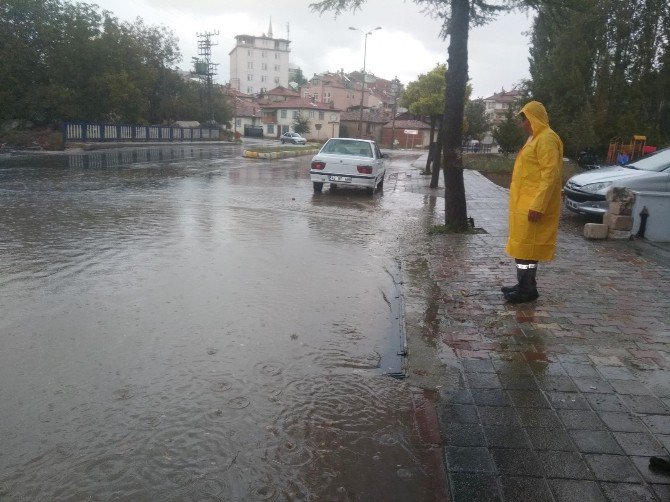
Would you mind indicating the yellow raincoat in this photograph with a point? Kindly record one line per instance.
(536, 185)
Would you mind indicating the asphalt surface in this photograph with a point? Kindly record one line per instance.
(565, 398)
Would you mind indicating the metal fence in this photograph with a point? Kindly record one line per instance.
(97, 132)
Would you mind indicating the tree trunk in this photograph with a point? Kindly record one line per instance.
(431, 146)
(437, 165)
(454, 104)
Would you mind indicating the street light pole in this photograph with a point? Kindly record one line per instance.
(365, 51)
(395, 88)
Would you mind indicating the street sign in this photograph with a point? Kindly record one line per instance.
(411, 131)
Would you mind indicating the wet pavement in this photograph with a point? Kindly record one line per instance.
(176, 325)
(563, 399)
(179, 323)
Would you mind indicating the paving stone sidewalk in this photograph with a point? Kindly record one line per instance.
(565, 398)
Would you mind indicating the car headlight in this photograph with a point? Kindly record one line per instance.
(595, 187)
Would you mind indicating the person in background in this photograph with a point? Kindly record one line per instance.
(622, 158)
(534, 202)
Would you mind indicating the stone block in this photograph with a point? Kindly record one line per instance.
(622, 208)
(618, 235)
(618, 222)
(595, 231)
(620, 194)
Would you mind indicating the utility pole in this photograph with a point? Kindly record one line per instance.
(396, 86)
(365, 51)
(205, 69)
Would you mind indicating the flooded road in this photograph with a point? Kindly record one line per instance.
(180, 323)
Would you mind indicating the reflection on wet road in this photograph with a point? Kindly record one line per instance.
(183, 324)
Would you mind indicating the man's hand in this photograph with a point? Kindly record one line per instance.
(534, 215)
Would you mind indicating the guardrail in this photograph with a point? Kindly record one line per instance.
(100, 132)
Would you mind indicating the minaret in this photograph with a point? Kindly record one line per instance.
(270, 28)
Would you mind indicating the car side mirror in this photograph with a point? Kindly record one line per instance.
(385, 155)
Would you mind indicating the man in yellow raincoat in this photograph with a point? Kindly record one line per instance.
(534, 202)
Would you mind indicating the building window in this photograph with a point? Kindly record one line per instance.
(311, 114)
(238, 122)
(264, 78)
(296, 114)
(264, 54)
(282, 114)
(248, 53)
(264, 66)
(321, 115)
(276, 56)
(271, 128)
(276, 67)
(250, 65)
(276, 80)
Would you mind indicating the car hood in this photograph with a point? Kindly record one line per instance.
(613, 174)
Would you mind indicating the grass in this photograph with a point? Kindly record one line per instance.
(498, 168)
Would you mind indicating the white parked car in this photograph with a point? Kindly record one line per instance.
(348, 162)
(292, 137)
(585, 193)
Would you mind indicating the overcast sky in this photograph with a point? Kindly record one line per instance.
(407, 45)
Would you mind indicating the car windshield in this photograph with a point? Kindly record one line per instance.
(657, 162)
(348, 147)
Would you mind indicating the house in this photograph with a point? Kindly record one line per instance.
(344, 90)
(259, 63)
(371, 121)
(246, 114)
(498, 104)
(334, 88)
(407, 133)
(278, 117)
(279, 93)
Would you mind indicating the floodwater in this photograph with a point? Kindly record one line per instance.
(180, 323)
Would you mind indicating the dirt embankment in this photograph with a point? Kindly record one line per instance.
(36, 138)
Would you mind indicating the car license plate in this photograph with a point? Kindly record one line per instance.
(345, 179)
(571, 204)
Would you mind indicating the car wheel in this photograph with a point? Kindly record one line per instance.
(370, 191)
(318, 186)
(381, 183)
(282, 142)
(333, 187)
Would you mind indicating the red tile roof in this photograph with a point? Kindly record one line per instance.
(299, 103)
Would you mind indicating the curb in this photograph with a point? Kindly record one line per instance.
(251, 154)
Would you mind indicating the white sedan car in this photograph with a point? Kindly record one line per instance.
(348, 162)
(586, 193)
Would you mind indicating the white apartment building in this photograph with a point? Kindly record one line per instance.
(258, 64)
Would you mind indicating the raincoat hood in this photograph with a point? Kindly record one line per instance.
(537, 115)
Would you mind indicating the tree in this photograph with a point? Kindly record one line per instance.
(602, 69)
(477, 122)
(425, 96)
(301, 124)
(299, 77)
(457, 16)
(62, 60)
(509, 134)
